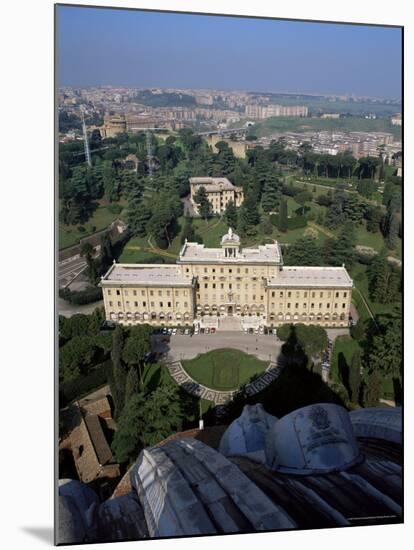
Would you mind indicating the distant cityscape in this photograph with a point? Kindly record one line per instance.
(113, 110)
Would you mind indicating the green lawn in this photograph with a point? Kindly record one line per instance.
(101, 218)
(294, 124)
(359, 275)
(347, 346)
(224, 369)
(366, 238)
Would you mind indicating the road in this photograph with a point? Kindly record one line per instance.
(69, 269)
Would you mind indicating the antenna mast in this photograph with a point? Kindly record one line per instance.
(85, 141)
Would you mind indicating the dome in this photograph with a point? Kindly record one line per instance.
(230, 238)
(247, 434)
(314, 439)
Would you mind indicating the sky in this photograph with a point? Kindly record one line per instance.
(98, 47)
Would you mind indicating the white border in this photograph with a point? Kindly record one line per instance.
(27, 268)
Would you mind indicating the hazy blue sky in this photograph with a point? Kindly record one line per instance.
(132, 48)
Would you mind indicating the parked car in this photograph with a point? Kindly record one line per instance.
(164, 330)
(274, 331)
(202, 330)
(196, 331)
(207, 330)
(174, 331)
(246, 330)
(213, 330)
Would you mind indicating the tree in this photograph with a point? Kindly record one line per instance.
(230, 215)
(107, 254)
(132, 384)
(372, 390)
(383, 279)
(138, 216)
(304, 251)
(355, 377)
(147, 420)
(341, 251)
(393, 230)
(385, 348)
(283, 217)
(204, 205)
(272, 193)
(86, 251)
(137, 346)
(76, 357)
(118, 370)
(302, 198)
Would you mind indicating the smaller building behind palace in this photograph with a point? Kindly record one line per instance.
(230, 288)
(220, 191)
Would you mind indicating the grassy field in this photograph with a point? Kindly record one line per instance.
(359, 275)
(293, 124)
(101, 218)
(344, 348)
(347, 346)
(224, 369)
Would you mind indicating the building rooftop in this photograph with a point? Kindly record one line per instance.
(194, 252)
(213, 184)
(318, 466)
(145, 274)
(312, 276)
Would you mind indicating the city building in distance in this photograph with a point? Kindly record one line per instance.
(227, 287)
(267, 111)
(220, 191)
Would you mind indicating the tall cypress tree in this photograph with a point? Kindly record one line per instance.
(118, 371)
(132, 385)
(355, 377)
(283, 216)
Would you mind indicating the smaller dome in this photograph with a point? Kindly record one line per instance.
(230, 238)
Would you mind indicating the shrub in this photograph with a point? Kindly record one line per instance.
(81, 297)
(297, 222)
(115, 208)
(69, 391)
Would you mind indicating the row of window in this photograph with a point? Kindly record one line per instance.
(305, 294)
(143, 292)
(152, 304)
(229, 270)
(321, 305)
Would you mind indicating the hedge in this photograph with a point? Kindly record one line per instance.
(81, 297)
(297, 222)
(75, 389)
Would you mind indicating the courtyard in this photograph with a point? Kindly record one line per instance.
(224, 369)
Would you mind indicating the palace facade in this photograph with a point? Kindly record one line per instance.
(212, 286)
(220, 191)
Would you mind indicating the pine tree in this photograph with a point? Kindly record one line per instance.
(204, 205)
(132, 384)
(378, 278)
(271, 194)
(355, 377)
(230, 215)
(283, 216)
(393, 230)
(372, 392)
(118, 371)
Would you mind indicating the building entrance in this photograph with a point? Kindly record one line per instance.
(230, 310)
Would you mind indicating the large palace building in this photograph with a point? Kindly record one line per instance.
(220, 191)
(227, 287)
